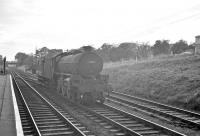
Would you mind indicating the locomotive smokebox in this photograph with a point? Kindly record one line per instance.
(85, 64)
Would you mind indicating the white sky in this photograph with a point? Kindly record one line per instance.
(29, 24)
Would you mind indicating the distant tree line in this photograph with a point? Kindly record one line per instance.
(138, 51)
(124, 51)
(28, 59)
(23, 58)
(113, 53)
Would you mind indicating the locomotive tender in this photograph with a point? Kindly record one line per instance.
(77, 76)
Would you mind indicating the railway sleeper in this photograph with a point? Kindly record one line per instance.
(128, 122)
(108, 126)
(131, 126)
(28, 133)
(190, 118)
(49, 123)
(59, 133)
(43, 114)
(197, 121)
(116, 116)
(55, 129)
(52, 126)
(142, 129)
(121, 119)
(149, 132)
(114, 130)
(47, 119)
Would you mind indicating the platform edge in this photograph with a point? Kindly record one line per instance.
(18, 124)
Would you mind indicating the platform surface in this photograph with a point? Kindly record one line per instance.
(7, 114)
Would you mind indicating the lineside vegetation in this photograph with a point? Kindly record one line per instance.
(169, 79)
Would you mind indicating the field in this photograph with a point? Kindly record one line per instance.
(169, 79)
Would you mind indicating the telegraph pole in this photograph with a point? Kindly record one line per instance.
(4, 65)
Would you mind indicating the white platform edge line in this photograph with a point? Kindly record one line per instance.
(18, 124)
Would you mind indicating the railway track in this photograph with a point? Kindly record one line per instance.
(191, 119)
(28, 124)
(39, 117)
(113, 128)
(123, 123)
(137, 125)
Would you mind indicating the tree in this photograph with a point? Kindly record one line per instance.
(42, 51)
(179, 47)
(127, 50)
(127, 45)
(106, 46)
(20, 57)
(104, 51)
(161, 47)
(144, 51)
(28, 60)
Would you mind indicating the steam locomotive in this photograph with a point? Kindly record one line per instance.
(76, 75)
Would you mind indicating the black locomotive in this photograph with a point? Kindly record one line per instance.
(77, 75)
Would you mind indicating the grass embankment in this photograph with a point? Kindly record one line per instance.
(174, 80)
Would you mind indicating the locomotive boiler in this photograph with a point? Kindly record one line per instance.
(77, 76)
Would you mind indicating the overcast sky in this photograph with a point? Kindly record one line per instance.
(29, 24)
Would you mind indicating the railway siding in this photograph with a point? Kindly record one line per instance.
(188, 117)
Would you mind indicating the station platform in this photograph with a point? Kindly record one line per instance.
(10, 123)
